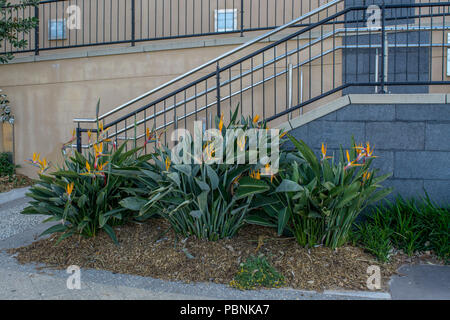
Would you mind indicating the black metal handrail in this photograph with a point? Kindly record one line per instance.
(115, 22)
(263, 81)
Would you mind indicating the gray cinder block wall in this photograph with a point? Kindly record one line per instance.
(412, 141)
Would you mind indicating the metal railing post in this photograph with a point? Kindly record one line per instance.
(133, 22)
(36, 31)
(242, 18)
(383, 51)
(218, 89)
(78, 132)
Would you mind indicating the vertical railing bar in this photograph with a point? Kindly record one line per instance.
(133, 23)
(175, 119)
(264, 86)
(163, 14)
(96, 22)
(252, 78)
(218, 88)
(275, 78)
(185, 109)
(145, 129)
(165, 121)
(242, 18)
(443, 42)
(206, 102)
(79, 139)
(229, 82)
(126, 135)
(240, 77)
(36, 32)
(195, 101)
(321, 61)
(383, 31)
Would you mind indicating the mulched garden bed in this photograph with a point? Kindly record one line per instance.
(15, 181)
(144, 250)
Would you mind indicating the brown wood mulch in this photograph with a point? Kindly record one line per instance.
(146, 251)
(15, 181)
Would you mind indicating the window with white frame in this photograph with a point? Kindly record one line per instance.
(57, 29)
(225, 20)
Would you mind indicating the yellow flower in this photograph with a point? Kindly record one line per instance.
(282, 135)
(36, 157)
(98, 149)
(168, 162)
(89, 134)
(43, 165)
(101, 166)
(88, 167)
(69, 188)
(221, 123)
(324, 152)
(255, 175)
(241, 143)
(369, 151)
(255, 119)
(366, 176)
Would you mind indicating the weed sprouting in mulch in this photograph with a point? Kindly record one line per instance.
(257, 272)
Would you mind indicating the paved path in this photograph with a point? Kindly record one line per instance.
(423, 282)
(29, 282)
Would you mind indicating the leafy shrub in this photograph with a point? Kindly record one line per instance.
(83, 194)
(414, 225)
(318, 200)
(7, 168)
(202, 200)
(255, 273)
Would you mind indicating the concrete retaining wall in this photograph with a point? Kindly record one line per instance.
(412, 140)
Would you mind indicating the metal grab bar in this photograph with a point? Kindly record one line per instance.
(211, 62)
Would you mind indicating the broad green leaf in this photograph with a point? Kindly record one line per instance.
(133, 203)
(249, 186)
(55, 229)
(289, 186)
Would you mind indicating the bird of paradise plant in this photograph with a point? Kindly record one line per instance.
(318, 200)
(82, 193)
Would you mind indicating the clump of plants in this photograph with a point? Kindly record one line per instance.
(374, 239)
(7, 167)
(83, 195)
(202, 199)
(256, 272)
(318, 200)
(410, 225)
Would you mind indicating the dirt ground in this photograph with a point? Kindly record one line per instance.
(16, 181)
(146, 250)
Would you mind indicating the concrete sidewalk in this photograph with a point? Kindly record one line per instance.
(32, 282)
